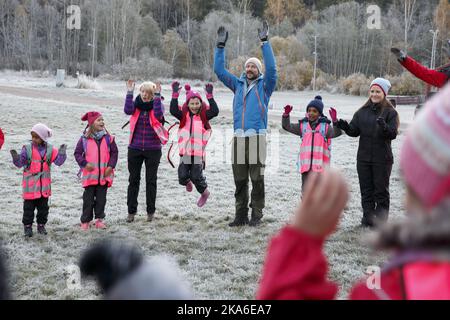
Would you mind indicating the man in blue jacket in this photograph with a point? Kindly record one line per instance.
(252, 92)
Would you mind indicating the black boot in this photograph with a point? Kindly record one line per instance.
(28, 230)
(256, 218)
(368, 219)
(41, 229)
(239, 221)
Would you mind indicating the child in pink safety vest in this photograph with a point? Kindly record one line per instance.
(96, 154)
(316, 134)
(36, 159)
(193, 135)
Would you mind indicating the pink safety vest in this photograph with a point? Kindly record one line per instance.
(100, 162)
(193, 143)
(315, 148)
(427, 281)
(161, 132)
(36, 179)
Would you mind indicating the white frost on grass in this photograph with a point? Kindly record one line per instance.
(219, 262)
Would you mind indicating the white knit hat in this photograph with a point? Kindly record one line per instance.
(384, 85)
(256, 62)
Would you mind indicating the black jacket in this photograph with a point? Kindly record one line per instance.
(374, 142)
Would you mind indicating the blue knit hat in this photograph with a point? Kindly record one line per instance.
(316, 103)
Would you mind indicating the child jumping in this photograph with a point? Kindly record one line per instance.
(36, 159)
(193, 135)
(96, 154)
(316, 134)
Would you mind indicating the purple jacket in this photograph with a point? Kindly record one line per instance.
(81, 159)
(23, 159)
(144, 137)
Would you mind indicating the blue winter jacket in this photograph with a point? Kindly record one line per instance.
(250, 107)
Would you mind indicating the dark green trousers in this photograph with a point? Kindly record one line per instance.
(248, 160)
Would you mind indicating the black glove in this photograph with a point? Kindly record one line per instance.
(400, 54)
(14, 155)
(264, 32)
(382, 123)
(343, 125)
(62, 149)
(175, 86)
(222, 37)
(209, 88)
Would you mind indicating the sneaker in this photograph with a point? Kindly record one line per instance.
(99, 224)
(85, 226)
(203, 198)
(239, 222)
(130, 218)
(150, 217)
(189, 186)
(41, 229)
(28, 230)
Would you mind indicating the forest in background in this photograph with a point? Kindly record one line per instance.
(148, 39)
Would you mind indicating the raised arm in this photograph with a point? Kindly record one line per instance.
(286, 122)
(333, 131)
(20, 160)
(174, 108)
(227, 78)
(430, 76)
(158, 106)
(213, 108)
(129, 107)
(61, 156)
(270, 76)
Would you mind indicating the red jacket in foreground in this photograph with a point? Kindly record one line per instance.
(296, 268)
(435, 78)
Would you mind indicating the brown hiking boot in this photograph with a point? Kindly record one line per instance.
(130, 217)
(150, 217)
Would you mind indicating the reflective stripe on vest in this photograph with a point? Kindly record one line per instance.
(157, 126)
(100, 163)
(193, 144)
(315, 148)
(36, 178)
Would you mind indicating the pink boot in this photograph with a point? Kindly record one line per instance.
(85, 226)
(204, 197)
(189, 186)
(99, 224)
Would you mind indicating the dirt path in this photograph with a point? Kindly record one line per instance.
(60, 96)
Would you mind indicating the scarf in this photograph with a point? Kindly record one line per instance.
(141, 105)
(97, 136)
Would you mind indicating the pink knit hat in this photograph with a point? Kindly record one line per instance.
(42, 131)
(425, 155)
(91, 116)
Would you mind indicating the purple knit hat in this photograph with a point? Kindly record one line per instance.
(425, 155)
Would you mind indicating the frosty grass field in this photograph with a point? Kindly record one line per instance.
(218, 261)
